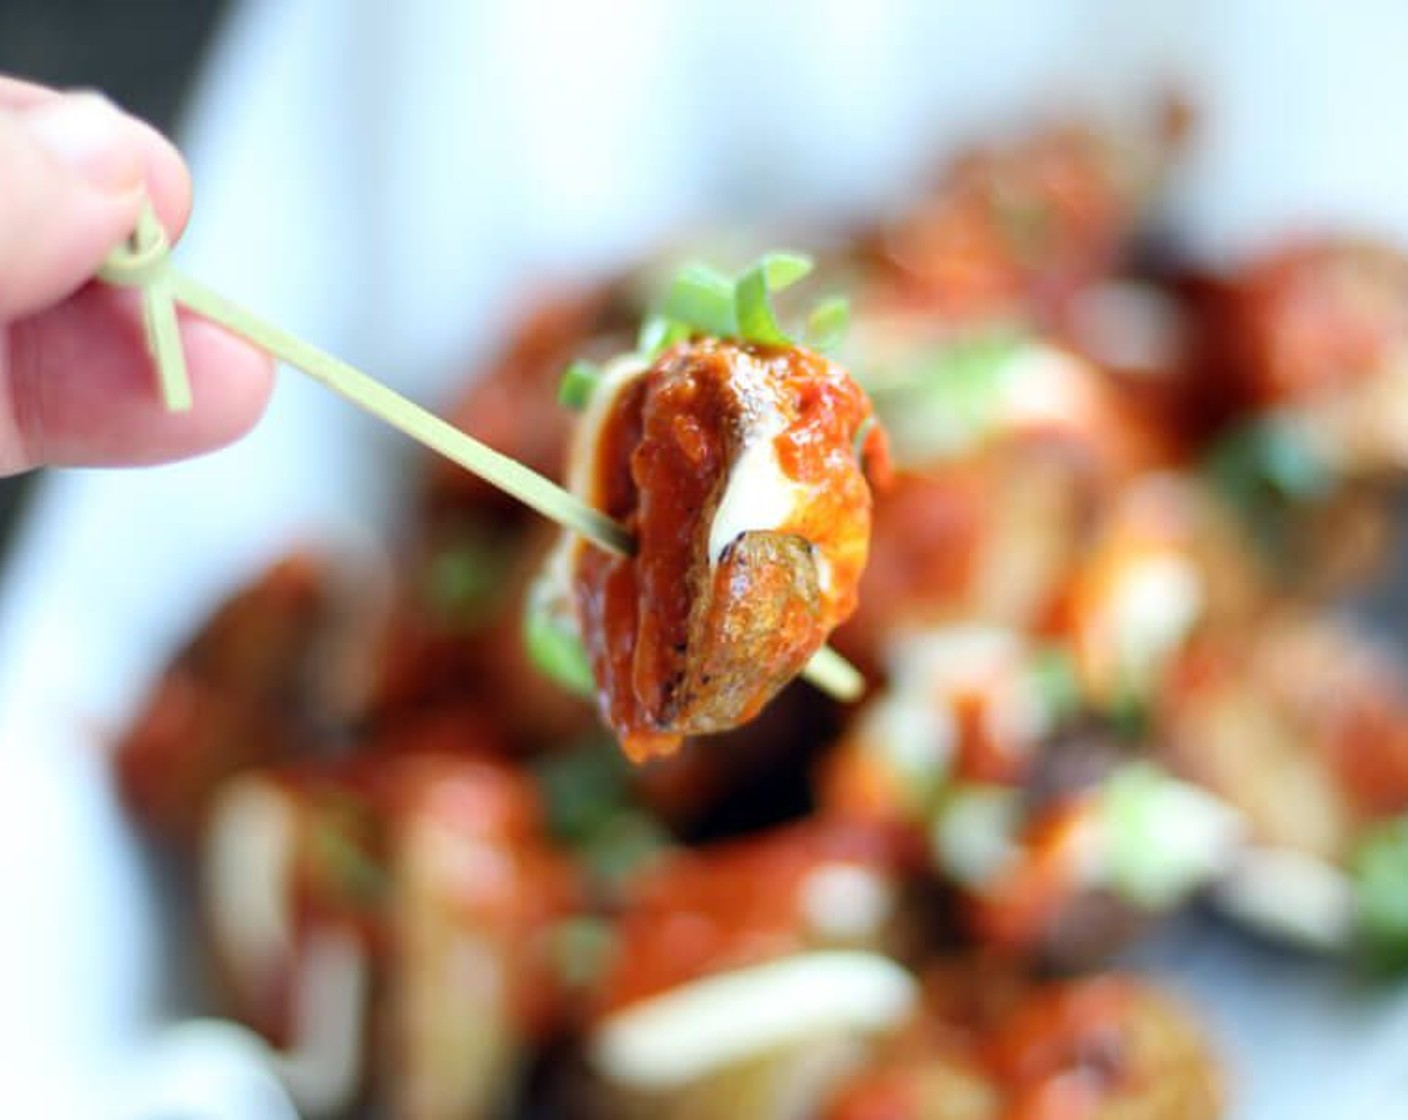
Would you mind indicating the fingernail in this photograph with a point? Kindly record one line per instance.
(87, 133)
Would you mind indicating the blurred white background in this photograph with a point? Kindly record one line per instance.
(385, 178)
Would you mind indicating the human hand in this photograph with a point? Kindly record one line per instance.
(77, 386)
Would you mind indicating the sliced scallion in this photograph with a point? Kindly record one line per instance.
(658, 334)
(556, 649)
(579, 382)
(828, 322)
(1053, 673)
(703, 298)
(1380, 871)
(782, 269)
(757, 322)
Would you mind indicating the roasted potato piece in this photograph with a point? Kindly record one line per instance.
(247, 690)
(1302, 724)
(989, 1044)
(1016, 229)
(401, 906)
(737, 468)
(747, 976)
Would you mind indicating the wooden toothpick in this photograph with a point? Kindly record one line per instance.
(144, 262)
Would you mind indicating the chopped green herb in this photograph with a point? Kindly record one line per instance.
(828, 322)
(658, 334)
(1269, 473)
(1129, 714)
(579, 382)
(1163, 838)
(581, 949)
(582, 787)
(463, 578)
(588, 802)
(555, 647)
(1269, 459)
(1380, 871)
(626, 842)
(702, 298)
(973, 832)
(782, 269)
(948, 400)
(350, 869)
(1053, 673)
(757, 321)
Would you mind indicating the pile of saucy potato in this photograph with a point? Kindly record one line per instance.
(1111, 676)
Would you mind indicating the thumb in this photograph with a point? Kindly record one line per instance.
(74, 171)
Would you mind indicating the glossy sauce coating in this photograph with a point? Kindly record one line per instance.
(237, 696)
(732, 905)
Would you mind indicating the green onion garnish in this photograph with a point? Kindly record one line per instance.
(827, 323)
(782, 269)
(1380, 871)
(464, 578)
(1053, 672)
(946, 400)
(1269, 459)
(581, 948)
(555, 647)
(588, 802)
(1163, 837)
(625, 843)
(582, 787)
(658, 334)
(757, 322)
(703, 298)
(1268, 472)
(579, 382)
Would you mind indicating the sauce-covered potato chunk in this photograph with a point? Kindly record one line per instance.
(386, 923)
(1318, 332)
(992, 1044)
(245, 691)
(750, 976)
(737, 468)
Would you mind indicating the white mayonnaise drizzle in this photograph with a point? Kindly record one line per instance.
(758, 495)
(701, 1027)
(248, 864)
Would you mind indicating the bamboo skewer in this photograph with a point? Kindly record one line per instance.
(143, 262)
(509, 475)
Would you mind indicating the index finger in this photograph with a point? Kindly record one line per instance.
(17, 93)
